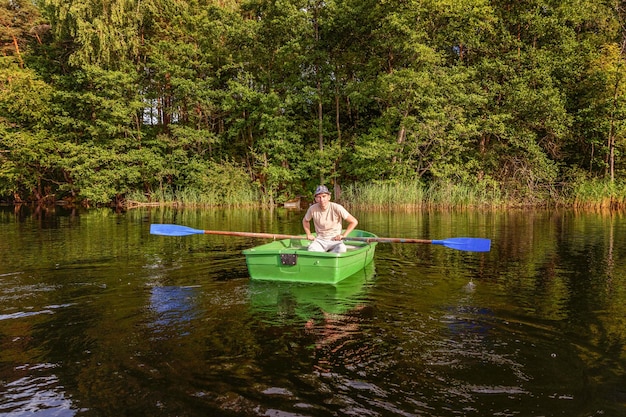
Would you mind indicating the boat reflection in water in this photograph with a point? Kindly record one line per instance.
(283, 302)
(331, 316)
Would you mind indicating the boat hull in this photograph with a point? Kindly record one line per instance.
(289, 260)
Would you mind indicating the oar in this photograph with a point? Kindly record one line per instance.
(175, 230)
(470, 244)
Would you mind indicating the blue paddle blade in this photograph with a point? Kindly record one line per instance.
(470, 244)
(173, 230)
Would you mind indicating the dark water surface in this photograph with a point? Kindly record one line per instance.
(100, 318)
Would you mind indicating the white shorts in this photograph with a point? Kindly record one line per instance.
(323, 245)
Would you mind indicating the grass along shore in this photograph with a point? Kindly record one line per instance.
(592, 194)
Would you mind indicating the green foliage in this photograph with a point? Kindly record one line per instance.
(102, 33)
(223, 183)
(27, 152)
(469, 103)
(24, 97)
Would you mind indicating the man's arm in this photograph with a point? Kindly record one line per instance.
(352, 223)
(306, 225)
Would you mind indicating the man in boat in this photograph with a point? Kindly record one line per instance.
(327, 218)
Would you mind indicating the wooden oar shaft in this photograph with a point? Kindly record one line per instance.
(388, 240)
(280, 236)
(252, 234)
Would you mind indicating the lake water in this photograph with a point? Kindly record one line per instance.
(100, 318)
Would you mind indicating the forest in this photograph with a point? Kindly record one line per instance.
(456, 102)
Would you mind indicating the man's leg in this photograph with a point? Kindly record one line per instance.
(319, 245)
(316, 246)
(340, 247)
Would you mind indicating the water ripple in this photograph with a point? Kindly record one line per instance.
(22, 314)
(35, 395)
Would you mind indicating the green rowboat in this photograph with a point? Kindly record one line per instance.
(289, 260)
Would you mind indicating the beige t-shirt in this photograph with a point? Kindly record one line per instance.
(327, 222)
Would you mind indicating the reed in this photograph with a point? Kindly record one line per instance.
(597, 194)
(450, 195)
(383, 195)
(239, 197)
(408, 195)
(415, 195)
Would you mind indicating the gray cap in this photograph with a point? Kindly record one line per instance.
(321, 190)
